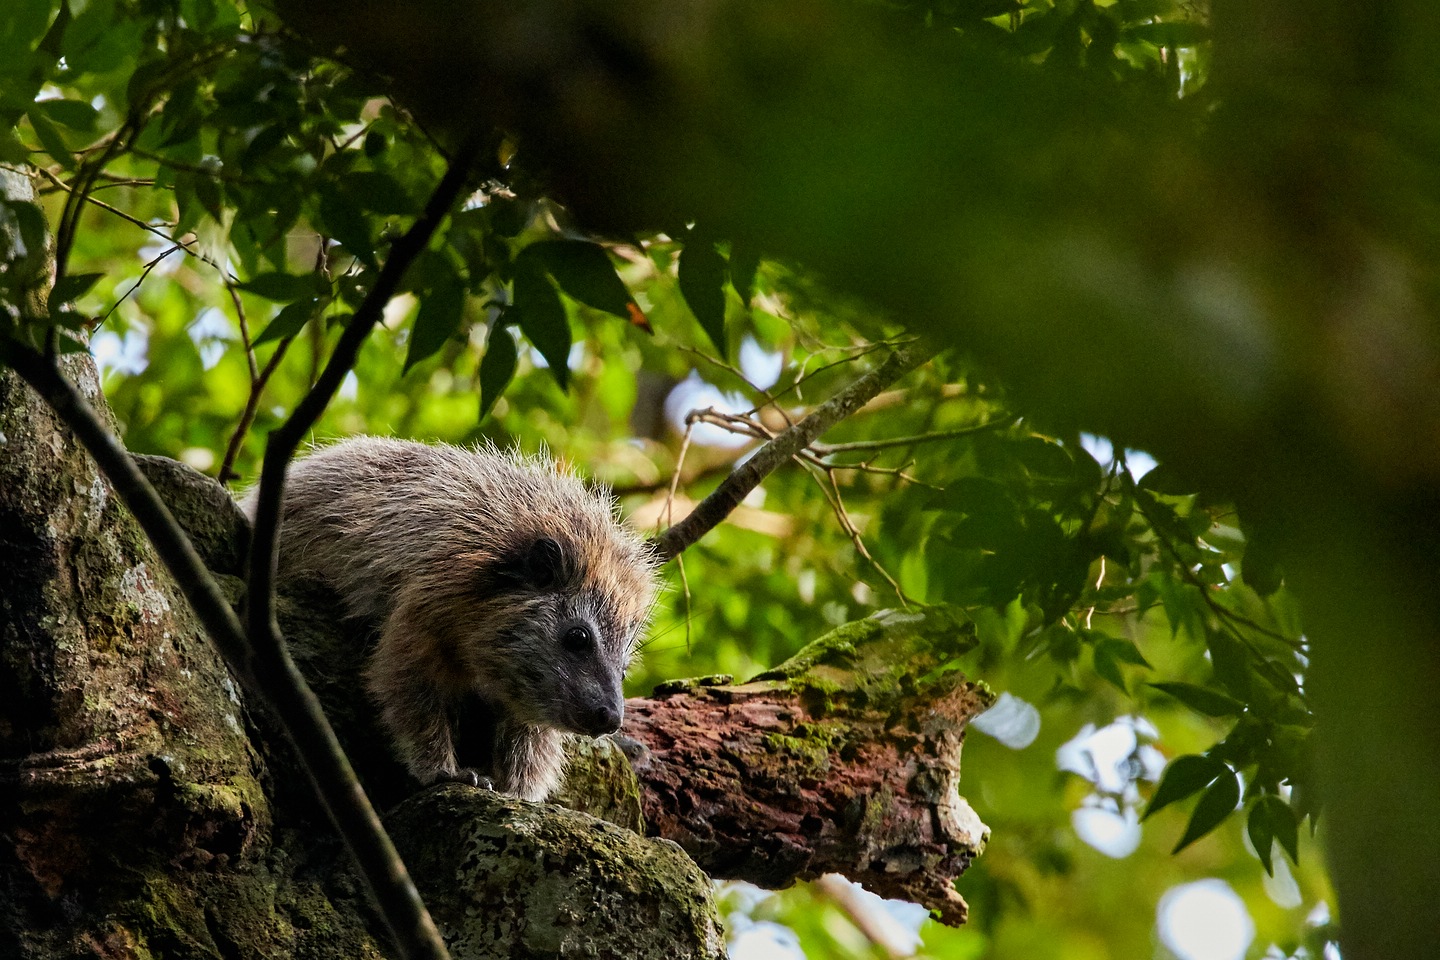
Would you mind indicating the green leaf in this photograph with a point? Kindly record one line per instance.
(1184, 776)
(1283, 824)
(72, 286)
(50, 138)
(1109, 669)
(1123, 650)
(497, 367)
(1231, 663)
(1172, 34)
(1217, 802)
(21, 25)
(744, 263)
(379, 192)
(211, 196)
(290, 321)
(1260, 567)
(344, 221)
(702, 283)
(11, 149)
(285, 287)
(1212, 703)
(584, 271)
(75, 114)
(1262, 833)
(536, 307)
(441, 311)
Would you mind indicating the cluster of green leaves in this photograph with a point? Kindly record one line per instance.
(1140, 43)
(228, 141)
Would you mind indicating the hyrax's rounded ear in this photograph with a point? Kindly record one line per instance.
(544, 564)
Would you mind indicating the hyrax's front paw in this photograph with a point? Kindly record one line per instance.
(468, 776)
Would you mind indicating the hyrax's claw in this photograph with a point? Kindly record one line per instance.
(468, 776)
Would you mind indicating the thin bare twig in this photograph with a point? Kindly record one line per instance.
(240, 318)
(185, 245)
(886, 443)
(823, 476)
(252, 405)
(734, 488)
(151, 265)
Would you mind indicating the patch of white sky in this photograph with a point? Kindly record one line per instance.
(211, 334)
(127, 353)
(1204, 920)
(897, 921)
(1012, 721)
(1113, 758)
(1137, 462)
(760, 366)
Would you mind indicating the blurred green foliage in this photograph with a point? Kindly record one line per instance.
(239, 197)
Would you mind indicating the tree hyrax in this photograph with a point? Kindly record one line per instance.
(488, 573)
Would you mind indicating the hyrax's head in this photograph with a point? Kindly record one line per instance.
(558, 593)
(582, 605)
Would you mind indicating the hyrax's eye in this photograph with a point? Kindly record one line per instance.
(578, 639)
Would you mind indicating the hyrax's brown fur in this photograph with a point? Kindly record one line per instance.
(488, 574)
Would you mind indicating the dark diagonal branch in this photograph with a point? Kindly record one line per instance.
(344, 799)
(786, 444)
(285, 439)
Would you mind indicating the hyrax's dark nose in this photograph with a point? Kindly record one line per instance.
(602, 720)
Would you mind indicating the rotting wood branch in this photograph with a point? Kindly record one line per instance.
(844, 759)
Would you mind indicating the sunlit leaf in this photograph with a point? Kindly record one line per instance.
(702, 283)
(1184, 776)
(497, 367)
(1217, 802)
(1212, 703)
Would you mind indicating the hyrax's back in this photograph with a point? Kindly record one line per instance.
(371, 514)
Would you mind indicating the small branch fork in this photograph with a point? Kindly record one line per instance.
(256, 651)
(783, 446)
(798, 442)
